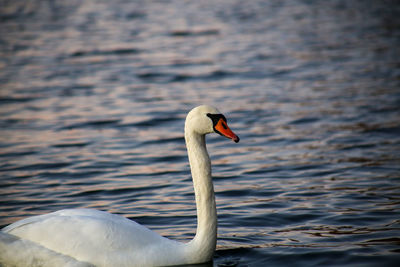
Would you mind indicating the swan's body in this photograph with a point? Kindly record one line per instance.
(105, 239)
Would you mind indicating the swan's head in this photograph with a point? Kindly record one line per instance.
(206, 119)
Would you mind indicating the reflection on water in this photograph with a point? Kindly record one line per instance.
(94, 95)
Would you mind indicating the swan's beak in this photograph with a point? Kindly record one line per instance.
(222, 128)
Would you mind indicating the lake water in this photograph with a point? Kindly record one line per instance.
(93, 97)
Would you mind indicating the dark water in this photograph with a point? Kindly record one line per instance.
(93, 96)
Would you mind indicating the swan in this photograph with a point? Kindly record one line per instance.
(104, 239)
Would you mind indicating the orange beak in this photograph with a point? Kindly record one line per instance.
(222, 128)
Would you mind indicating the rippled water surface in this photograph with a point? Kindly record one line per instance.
(93, 96)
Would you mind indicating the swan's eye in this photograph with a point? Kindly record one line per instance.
(216, 117)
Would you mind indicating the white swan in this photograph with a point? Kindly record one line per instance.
(105, 239)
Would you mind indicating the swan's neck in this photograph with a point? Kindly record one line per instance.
(204, 243)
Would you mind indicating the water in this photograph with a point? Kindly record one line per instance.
(94, 95)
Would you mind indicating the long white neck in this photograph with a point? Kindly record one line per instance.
(204, 243)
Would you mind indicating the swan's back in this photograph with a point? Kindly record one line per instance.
(98, 237)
